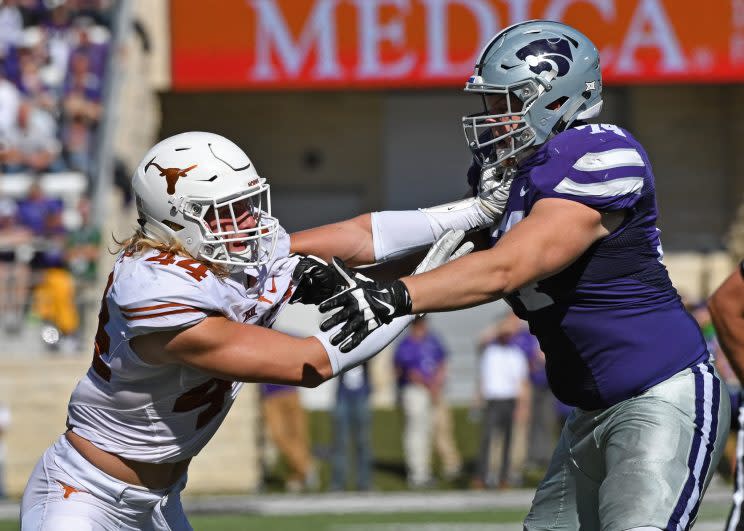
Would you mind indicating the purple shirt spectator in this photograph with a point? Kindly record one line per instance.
(354, 382)
(36, 213)
(423, 356)
(272, 389)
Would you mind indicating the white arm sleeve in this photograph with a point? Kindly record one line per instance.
(370, 345)
(398, 232)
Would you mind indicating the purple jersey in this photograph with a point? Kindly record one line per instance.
(423, 355)
(611, 324)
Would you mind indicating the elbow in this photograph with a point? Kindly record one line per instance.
(312, 377)
(503, 282)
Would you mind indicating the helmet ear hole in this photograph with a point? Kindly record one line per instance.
(557, 104)
(175, 227)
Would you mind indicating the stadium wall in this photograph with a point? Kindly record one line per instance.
(36, 391)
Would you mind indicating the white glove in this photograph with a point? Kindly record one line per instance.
(493, 189)
(443, 251)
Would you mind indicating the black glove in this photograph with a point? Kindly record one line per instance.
(365, 305)
(315, 281)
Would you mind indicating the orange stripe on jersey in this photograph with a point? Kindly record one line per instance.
(148, 308)
(161, 314)
(264, 299)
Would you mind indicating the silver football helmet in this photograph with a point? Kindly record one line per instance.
(202, 190)
(541, 76)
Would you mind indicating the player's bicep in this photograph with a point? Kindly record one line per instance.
(350, 240)
(551, 237)
(237, 351)
(727, 302)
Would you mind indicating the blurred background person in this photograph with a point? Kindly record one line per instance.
(15, 272)
(352, 423)
(286, 424)
(54, 294)
(503, 393)
(445, 445)
(11, 25)
(32, 142)
(4, 425)
(543, 418)
(419, 366)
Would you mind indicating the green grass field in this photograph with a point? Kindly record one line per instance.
(322, 522)
(363, 521)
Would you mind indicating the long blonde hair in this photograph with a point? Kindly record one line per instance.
(140, 242)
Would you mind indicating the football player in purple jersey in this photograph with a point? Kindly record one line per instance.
(574, 249)
(726, 307)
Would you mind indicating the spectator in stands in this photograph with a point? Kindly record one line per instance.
(77, 143)
(54, 295)
(352, 419)
(420, 368)
(91, 42)
(15, 273)
(286, 422)
(83, 247)
(11, 25)
(4, 425)
(34, 77)
(82, 110)
(32, 144)
(83, 88)
(503, 388)
(40, 213)
(10, 101)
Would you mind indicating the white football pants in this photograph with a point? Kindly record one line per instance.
(67, 493)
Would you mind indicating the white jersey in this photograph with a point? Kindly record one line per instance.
(166, 413)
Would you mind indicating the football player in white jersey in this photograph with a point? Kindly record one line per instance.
(185, 319)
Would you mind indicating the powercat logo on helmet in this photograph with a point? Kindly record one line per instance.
(547, 55)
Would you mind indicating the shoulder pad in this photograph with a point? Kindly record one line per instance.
(601, 166)
(152, 295)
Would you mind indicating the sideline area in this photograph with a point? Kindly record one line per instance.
(713, 510)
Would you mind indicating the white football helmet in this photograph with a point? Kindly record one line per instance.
(203, 191)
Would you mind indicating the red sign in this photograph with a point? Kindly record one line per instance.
(300, 44)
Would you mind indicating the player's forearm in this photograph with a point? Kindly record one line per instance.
(472, 280)
(239, 352)
(350, 240)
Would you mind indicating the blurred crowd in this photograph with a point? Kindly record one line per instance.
(53, 57)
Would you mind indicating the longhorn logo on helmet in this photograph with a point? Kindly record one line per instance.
(171, 174)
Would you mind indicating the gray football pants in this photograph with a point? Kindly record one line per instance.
(645, 461)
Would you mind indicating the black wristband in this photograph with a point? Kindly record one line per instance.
(741, 268)
(402, 299)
